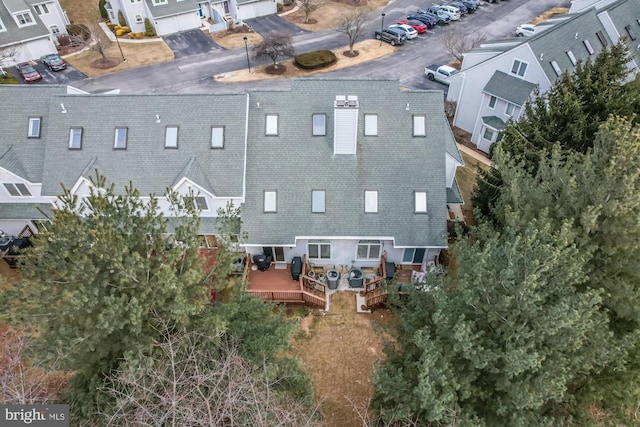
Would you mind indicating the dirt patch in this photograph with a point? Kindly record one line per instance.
(339, 351)
(105, 63)
(329, 14)
(549, 14)
(368, 50)
(235, 38)
(136, 54)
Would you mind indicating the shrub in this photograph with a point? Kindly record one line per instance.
(316, 59)
(126, 29)
(79, 30)
(121, 20)
(101, 8)
(132, 35)
(109, 24)
(139, 35)
(119, 32)
(149, 29)
(279, 7)
(115, 27)
(8, 79)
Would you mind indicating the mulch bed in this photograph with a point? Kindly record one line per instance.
(105, 63)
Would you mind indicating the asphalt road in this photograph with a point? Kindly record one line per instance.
(194, 73)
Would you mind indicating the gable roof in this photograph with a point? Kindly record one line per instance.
(172, 7)
(145, 160)
(394, 163)
(13, 33)
(509, 88)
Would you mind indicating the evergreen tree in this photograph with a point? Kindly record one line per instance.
(149, 29)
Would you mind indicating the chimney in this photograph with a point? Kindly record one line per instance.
(345, 124)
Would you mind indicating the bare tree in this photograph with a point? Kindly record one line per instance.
(22, 382)
(6, 54)
(354, 24)
(191, 381)
(308, 6)
(98, 41)
(457, 44)
(274, 45)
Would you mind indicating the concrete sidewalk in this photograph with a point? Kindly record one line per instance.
(476, 155)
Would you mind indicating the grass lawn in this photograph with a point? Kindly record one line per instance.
(466, 177)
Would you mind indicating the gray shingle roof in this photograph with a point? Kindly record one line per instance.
(454, 195)
(13, 33)
(493, 121)
(29, 211)
(394, 163)
(18, 104)
(509, 88)
(152, 167)
(626, 13)
(173, 7)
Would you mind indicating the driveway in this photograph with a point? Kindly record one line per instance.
(67, 76)
(266, 24)
(190, 43)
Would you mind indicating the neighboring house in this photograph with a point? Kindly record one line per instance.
(171, 16)
(337, 170)
(500, 76)
(30, 29)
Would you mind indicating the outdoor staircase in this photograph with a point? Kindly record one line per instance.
(374, 299)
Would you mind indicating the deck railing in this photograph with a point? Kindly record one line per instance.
(290, 296)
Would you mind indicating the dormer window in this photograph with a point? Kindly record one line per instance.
(75, 139)
(120, 139)
(34, 127)
(17, 189)
(201, 203)
(23, 19)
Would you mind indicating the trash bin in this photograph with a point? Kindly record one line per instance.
(390, 267)
(296, 267)
(356, 278)
(333, 276)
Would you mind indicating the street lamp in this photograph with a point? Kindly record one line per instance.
(381, 28)
(118, 42)
(246, 48)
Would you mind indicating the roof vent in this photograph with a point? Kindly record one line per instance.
(341, 101)
(352, 101)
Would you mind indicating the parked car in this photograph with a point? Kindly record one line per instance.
(391, 36)
(409, 31)
(419, 26)
(525, 30)
(28, 73)
(54, 62)
(440, 15)
(11, 247)
(472, 5)
(441, 73)
(428, 19)
(452, 11)
(460, 6)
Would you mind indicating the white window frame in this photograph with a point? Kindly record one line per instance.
(370, 125)
(138, 18)
(371, 201)
(319, 245)
(318, 201)
(572, 57)
(35, 127)
(369, 246)
(556, 68)
(630, 32)
(200, 202)
(493, 131)
(120, 138)
(26, 17)
(587, 45)
(419, 125)
(159, 2)
(171, 136)
(270, 201)
(75, 138)
(271, 125)
(602, 38)
(420, 201)
(492, 102)
(217, 137)
(510, 109)
(319, 129)
(519, 68)
(17, 189)
(412, 253)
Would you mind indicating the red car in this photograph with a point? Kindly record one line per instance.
(28, 73)
(417, 25)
